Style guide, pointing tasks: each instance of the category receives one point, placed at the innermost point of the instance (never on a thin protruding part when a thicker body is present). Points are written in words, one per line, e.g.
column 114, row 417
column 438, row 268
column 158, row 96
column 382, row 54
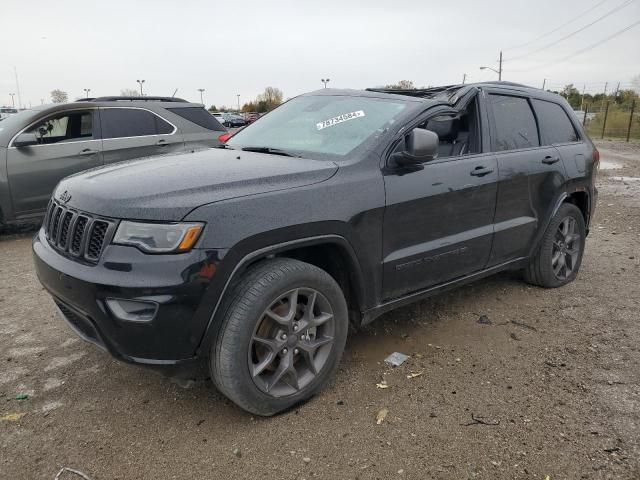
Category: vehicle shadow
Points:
column 12, row 232
column 410, row 326
column 406, row 329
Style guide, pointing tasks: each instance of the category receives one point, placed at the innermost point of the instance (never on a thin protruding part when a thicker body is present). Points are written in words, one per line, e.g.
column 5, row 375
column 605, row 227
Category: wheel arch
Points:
column 333, row 253
column 580, row 198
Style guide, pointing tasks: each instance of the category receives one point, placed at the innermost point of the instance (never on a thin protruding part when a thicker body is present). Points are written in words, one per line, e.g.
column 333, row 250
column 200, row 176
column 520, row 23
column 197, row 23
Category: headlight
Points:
column 158, row 237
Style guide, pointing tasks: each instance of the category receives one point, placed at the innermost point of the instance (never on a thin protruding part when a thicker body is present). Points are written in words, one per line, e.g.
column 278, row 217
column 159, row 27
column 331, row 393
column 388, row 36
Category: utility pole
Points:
column 140, row 82
column 499, row 71
column 13, row 100
column 464, row 78
column 606, row 84
column 584, row 87
column 633, row 107
column 15, row 72
column 201, row 90
column 238, row 95
column 544, row 82
column 615, row 95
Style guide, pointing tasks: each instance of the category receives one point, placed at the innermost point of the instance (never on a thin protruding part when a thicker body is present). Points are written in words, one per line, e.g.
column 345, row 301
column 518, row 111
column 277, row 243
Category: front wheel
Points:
column 558, row 260
column 281, row 337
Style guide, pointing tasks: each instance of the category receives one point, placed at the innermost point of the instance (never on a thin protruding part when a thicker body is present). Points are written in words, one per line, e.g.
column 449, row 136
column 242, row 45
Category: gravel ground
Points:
column 548, row 383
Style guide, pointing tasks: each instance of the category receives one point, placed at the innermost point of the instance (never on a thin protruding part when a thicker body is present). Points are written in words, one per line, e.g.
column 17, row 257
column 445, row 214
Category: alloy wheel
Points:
column 292, row 342
column 566, row 248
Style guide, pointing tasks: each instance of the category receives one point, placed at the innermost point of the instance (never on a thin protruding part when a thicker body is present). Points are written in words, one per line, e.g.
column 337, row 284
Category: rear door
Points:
column 557, row 128
column 200, row 129
column 69, row 142
column 529, row 175
column 133, row 132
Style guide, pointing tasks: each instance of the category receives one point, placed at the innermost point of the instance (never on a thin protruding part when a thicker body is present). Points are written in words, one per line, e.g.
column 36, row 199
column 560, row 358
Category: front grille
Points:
column 77, row 234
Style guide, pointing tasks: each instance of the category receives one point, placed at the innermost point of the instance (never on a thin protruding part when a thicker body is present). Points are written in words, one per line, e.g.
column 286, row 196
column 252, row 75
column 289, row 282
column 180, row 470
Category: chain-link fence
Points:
column 609, row 120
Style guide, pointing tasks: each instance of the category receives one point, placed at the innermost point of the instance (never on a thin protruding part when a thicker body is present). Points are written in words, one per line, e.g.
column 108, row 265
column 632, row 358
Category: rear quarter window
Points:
column 555, row 125
column 515, row 123
column 199, row 116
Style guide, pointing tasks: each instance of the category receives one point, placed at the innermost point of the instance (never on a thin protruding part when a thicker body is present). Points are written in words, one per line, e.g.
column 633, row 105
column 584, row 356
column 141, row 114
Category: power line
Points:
column 590, row 47
column 558, row 28
column 553, row 44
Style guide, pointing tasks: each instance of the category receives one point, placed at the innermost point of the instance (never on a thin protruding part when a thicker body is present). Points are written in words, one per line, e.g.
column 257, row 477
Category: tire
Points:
column 267, row 356
column 559, row 257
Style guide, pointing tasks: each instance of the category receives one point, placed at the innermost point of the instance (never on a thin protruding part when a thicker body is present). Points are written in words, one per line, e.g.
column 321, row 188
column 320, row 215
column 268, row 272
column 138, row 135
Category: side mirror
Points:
column 25, row 140
column 420, row 146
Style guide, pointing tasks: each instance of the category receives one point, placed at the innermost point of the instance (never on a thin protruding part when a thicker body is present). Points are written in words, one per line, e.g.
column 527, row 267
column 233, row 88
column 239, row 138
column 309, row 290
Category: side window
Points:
column 458, row 136
column 199, row 116
column 131, row 122
column 65, row 127
column 514, row 122
column 555, row 125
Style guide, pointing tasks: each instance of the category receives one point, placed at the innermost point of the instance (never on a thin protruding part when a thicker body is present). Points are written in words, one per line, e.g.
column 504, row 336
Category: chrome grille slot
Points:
column 96, row 239
column 56, row 223
column 64, row 228
column 78, row 235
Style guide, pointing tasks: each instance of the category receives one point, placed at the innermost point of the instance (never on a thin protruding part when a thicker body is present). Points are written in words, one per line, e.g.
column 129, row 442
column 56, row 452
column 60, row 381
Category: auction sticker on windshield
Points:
column 339, row 119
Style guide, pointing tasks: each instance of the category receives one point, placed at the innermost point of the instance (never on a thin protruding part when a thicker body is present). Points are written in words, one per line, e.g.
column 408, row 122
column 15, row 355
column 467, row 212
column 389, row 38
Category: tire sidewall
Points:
column 565, row 210
column 239, row 324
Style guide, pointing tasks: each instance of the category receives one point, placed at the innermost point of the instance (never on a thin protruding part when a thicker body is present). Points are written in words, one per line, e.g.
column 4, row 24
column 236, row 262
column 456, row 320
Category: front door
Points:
column 438, row 221
column 68, row 143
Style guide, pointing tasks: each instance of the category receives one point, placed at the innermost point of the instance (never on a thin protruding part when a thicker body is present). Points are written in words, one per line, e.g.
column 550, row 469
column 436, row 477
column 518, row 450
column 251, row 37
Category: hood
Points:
column 168, row 187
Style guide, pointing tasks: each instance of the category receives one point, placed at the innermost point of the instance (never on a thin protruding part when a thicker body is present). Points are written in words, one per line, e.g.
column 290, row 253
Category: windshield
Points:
column 323, row 125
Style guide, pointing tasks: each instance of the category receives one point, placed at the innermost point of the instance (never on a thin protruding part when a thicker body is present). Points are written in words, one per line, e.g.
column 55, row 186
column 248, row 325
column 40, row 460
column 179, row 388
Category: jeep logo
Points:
column 65, row 196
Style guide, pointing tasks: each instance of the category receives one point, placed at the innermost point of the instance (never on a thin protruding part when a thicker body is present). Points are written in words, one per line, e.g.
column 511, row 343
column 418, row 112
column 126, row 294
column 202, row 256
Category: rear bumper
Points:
column 175, row 283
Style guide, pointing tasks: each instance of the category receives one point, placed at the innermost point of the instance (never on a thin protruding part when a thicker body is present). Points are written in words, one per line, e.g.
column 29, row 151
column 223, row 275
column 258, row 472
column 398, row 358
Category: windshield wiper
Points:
column 273, row 151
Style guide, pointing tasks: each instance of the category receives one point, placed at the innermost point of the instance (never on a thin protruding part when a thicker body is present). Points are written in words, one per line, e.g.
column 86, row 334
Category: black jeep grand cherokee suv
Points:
column 338, row 206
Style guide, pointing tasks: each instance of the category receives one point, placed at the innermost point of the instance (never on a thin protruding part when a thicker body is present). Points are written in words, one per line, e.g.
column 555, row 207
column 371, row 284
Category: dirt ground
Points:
column 553, row 383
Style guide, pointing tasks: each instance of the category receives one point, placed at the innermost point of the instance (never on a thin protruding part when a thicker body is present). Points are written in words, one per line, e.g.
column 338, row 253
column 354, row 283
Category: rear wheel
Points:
column 281, row 337
column 558, row 260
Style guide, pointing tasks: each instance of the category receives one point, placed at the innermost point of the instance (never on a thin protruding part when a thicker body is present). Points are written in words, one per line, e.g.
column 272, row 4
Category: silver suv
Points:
column 40, row 146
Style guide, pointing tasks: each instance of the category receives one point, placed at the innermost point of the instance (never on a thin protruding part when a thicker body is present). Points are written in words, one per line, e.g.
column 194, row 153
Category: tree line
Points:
column 271, row 98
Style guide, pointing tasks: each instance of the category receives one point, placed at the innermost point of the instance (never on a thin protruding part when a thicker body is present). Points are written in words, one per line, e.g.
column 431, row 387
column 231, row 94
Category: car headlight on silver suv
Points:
column 159, row 237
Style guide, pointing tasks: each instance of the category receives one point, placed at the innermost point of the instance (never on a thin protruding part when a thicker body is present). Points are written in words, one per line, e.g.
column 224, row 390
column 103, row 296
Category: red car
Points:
column 251, row 117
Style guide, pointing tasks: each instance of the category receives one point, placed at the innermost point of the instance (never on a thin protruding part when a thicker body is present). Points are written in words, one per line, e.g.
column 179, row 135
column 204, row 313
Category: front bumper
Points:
column 176, row 283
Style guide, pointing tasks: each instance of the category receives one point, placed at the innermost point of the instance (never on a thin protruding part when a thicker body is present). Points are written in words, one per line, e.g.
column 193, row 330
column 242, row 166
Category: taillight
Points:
column 596, row 156
column 224, row 137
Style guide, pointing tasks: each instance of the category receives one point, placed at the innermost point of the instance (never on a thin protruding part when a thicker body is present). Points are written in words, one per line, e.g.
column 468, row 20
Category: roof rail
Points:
column 138, row 99
column 507, row 84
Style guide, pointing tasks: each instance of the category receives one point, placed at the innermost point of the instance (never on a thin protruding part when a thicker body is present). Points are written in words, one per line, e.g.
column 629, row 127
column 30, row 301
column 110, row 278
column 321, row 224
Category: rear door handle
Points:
column 481, row 171
column 88, row 151
column 162, row 143
column 549, row 160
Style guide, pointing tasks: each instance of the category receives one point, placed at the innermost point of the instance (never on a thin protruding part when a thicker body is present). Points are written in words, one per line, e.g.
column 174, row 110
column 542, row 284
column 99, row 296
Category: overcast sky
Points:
column 242, row 46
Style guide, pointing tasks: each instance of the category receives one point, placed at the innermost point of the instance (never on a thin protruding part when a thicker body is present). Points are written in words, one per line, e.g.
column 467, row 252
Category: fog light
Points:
column 132, row 310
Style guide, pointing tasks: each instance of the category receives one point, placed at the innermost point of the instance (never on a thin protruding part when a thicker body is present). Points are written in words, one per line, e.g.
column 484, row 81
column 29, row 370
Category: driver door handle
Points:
column 549, row 160
column 162, row 143
column 88, row 151
column 481, row 171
